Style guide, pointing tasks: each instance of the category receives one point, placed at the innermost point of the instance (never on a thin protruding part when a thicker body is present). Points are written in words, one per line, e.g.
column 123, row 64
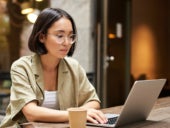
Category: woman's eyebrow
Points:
column 62, row 31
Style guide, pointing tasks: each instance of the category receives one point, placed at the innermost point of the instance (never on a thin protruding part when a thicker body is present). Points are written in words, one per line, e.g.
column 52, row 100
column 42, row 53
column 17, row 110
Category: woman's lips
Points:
column 64, row 50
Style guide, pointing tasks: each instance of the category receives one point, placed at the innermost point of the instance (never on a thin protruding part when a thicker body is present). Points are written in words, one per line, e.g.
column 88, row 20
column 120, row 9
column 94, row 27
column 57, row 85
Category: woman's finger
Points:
column 97, row 115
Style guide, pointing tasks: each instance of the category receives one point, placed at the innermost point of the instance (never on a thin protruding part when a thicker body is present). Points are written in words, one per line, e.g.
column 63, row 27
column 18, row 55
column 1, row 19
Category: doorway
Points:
column 118, row 46
column 114, row 46
column 123, row 58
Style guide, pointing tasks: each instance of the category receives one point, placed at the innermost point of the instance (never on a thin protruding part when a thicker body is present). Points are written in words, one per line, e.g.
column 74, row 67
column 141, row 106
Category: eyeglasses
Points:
column 61, row 38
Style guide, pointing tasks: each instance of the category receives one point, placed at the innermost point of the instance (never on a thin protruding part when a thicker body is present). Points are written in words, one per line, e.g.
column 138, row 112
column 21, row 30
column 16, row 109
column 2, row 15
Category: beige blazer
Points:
column 74, row 88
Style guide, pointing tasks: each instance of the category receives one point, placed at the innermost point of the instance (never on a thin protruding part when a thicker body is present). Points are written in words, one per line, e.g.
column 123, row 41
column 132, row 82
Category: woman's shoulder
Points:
column 71, row 61
column 24, row 60
column 73, row 64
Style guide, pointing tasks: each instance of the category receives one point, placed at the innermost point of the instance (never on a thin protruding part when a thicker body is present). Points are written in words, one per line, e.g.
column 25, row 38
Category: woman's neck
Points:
column 49, row 63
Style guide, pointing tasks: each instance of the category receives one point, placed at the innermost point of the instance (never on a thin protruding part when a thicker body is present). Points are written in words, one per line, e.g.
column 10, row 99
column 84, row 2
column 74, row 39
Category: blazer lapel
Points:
column 62, row 73
column 37, row 70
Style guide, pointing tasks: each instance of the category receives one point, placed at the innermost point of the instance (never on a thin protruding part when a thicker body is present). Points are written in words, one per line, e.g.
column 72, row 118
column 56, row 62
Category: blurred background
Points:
column 119, row 41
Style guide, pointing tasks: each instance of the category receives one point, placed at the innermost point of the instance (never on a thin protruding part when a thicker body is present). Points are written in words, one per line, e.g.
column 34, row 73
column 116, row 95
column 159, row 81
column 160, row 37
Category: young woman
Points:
column 47, row 83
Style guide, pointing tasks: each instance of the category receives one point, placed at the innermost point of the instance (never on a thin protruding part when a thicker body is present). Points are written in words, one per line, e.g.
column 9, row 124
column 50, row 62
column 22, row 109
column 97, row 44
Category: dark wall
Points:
column 155, row 15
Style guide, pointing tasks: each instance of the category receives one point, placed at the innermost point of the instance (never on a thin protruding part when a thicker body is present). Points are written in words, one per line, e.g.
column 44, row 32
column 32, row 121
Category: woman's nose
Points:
column 66, row 41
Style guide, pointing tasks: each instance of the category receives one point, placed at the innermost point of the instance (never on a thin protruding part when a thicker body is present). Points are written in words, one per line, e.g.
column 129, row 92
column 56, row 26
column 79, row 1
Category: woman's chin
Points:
column 62, row 56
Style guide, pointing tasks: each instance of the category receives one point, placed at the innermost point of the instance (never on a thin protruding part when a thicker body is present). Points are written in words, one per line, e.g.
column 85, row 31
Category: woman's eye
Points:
column 72, row 37
column 59, row 36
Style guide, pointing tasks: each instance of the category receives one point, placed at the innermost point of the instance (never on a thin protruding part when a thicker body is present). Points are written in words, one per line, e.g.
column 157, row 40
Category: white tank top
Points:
column 50, row 100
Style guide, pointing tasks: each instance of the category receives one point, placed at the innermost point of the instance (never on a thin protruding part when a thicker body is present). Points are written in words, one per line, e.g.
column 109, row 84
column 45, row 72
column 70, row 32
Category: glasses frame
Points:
column 65, row 36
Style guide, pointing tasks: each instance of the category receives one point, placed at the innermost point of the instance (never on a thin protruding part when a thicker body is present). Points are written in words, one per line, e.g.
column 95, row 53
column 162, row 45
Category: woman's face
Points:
column 59, row 38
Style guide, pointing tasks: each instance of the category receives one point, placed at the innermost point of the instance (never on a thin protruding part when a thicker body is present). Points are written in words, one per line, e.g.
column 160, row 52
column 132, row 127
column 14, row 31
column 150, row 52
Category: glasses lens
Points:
column 60, row 38
column 73, row 38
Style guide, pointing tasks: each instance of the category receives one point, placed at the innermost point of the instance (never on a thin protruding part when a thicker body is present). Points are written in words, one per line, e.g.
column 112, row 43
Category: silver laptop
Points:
column 138, row 104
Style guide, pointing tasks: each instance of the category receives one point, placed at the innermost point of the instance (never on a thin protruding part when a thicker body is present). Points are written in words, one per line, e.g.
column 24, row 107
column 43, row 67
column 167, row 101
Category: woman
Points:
column 47, row 83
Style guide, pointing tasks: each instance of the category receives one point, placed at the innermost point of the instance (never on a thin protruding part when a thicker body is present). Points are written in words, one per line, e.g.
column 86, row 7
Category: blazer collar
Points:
column 62, row 73
column 37, row 70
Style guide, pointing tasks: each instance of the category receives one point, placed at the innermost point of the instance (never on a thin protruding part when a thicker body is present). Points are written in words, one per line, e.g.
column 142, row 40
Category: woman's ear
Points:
column 42, row 38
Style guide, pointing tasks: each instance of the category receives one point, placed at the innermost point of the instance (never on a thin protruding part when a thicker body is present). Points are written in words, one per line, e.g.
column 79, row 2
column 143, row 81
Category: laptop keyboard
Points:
column 112, row 120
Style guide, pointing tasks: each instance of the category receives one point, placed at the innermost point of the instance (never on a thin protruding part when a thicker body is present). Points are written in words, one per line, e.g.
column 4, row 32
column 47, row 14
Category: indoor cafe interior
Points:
column 119, row 42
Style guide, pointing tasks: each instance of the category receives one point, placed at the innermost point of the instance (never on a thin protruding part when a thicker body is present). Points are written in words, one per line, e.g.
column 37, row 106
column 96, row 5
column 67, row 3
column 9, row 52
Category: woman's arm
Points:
column 92, row 104
column 33, row 112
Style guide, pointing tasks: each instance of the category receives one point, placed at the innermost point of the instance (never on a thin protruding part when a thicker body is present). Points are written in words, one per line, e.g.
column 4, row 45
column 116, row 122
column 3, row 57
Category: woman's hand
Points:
column 96, row 116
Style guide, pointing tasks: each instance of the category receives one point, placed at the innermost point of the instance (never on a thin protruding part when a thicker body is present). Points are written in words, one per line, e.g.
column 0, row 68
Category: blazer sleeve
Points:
column 21, row 90
column 86, row 91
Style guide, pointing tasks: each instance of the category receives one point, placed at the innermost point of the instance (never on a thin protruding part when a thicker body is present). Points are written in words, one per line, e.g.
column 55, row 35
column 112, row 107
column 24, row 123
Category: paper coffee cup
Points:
column 77, row 117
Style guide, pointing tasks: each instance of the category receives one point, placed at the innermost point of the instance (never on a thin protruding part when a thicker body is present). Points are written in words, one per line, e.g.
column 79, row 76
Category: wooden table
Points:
column 158, row 118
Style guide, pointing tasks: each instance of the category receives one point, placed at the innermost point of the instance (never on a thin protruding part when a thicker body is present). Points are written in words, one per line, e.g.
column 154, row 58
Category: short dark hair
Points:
column 44, row 21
